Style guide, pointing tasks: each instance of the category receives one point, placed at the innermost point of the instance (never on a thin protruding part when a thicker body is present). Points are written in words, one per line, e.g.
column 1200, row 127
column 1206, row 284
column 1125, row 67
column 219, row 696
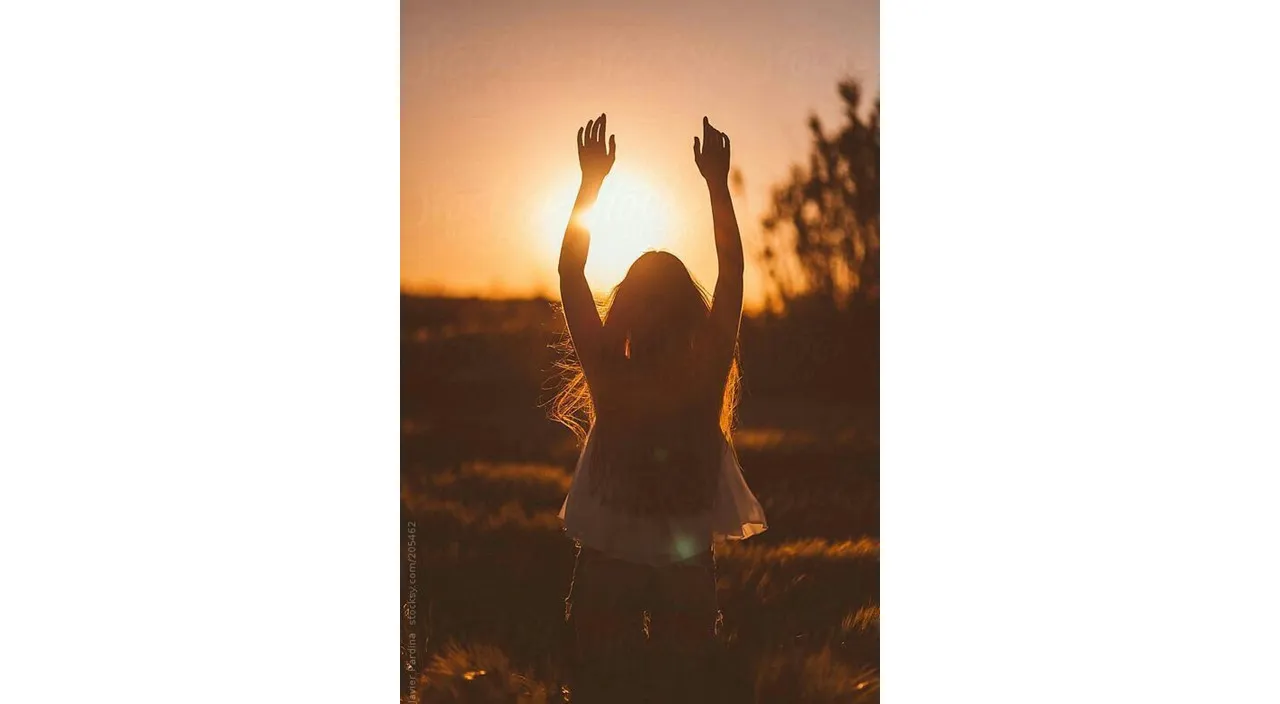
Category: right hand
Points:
column 712, row 155
column 592, row 157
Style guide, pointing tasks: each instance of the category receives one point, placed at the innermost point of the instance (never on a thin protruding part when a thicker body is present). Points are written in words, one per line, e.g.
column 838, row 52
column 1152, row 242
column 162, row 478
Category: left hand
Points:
column 592, row 156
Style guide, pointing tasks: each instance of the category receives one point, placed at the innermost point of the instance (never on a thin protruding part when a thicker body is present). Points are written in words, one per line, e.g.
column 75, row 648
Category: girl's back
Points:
column 658, row 480
column 657, row 439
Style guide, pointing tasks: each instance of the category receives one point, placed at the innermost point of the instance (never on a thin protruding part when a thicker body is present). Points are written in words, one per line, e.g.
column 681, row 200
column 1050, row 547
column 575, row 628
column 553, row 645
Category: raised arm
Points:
column 580, row 311
column 712, row 157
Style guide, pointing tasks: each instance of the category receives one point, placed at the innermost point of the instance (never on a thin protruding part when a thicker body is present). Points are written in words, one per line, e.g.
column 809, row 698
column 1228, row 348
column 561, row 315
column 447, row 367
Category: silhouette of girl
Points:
column 650, row 387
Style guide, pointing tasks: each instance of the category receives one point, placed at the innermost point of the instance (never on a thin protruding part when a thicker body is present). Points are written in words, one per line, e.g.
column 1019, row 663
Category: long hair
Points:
column 648, row 318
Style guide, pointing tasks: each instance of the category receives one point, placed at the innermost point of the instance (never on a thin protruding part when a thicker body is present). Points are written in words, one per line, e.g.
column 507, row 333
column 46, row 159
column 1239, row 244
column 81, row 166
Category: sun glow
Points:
column 630, row 218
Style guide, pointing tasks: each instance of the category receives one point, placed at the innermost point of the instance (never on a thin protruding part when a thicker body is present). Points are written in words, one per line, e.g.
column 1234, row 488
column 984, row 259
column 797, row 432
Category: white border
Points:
column 1079, row 359
column 199, row 389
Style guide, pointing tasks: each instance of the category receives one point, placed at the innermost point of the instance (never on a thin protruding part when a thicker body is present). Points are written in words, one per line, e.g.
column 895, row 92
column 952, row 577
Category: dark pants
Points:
column 642, row 633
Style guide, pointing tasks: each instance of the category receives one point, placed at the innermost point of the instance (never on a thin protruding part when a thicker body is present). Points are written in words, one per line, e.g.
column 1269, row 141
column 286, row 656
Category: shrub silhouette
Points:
column 822, row 236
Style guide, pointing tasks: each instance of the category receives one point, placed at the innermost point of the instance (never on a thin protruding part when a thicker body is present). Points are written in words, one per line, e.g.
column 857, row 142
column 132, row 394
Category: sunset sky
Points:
column 493, row 93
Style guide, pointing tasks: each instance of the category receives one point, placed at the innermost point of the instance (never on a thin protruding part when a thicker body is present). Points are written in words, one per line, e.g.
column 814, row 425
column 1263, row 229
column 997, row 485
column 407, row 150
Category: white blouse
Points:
column 735, row 514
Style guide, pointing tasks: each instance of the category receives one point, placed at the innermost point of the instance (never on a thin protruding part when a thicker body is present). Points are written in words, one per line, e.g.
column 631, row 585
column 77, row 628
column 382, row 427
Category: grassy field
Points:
column 484, row 473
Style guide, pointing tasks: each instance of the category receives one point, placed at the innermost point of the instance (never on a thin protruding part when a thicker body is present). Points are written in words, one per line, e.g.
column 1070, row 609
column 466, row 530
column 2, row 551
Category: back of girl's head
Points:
column 657, row 310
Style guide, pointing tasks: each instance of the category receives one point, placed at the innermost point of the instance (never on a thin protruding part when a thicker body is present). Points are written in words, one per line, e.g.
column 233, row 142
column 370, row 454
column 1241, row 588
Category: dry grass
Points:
column 506, row 473
column 821, row 676
column 813, row 549
column 478, row 674
column 511, row 515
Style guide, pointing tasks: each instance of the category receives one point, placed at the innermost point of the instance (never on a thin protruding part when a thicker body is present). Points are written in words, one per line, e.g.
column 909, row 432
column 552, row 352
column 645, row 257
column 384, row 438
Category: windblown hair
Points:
column 571, row 406
column 670, row 405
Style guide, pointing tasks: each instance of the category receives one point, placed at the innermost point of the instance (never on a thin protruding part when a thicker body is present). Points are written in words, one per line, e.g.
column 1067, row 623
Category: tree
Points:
column 822, row 236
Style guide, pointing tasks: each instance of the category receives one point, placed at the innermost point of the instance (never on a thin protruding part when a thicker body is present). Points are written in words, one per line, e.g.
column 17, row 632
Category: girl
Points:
column 650, row 391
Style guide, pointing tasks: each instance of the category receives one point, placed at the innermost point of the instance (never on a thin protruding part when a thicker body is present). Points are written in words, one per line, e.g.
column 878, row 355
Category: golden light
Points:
column 630, row 218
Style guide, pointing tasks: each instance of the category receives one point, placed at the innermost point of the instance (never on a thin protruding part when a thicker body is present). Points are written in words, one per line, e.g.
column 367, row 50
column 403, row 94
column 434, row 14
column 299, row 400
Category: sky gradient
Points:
column 493, row 93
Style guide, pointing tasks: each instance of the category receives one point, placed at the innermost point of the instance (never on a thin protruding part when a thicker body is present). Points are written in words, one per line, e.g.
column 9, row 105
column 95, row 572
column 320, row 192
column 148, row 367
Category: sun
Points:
column 630, row 217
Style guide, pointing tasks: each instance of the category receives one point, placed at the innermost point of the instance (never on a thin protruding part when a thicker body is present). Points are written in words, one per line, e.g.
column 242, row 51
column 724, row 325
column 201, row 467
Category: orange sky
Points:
column 492, row 95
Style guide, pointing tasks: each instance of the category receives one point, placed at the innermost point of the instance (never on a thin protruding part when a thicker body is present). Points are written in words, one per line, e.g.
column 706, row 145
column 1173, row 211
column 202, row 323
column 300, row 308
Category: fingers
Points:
column 613, row 147
column 593, row 134
column 697, row 150
column 714, row 139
